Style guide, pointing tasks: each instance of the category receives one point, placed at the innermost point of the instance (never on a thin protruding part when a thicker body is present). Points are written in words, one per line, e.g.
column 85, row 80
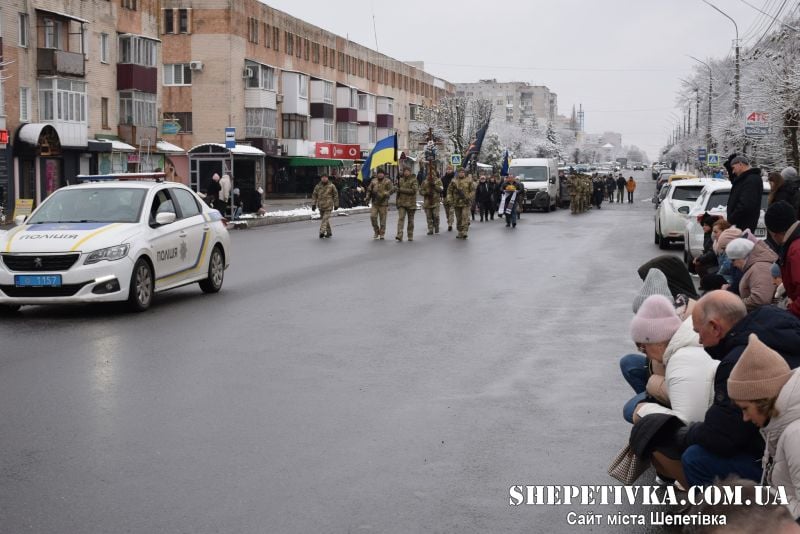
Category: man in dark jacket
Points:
column 621, row 182
column 723, row 443
column 484, row 196
column 744, row 201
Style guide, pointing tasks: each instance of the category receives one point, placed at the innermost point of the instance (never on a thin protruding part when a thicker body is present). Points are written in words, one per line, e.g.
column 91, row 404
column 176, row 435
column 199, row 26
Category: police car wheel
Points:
column 216, row 272
column 140, row 294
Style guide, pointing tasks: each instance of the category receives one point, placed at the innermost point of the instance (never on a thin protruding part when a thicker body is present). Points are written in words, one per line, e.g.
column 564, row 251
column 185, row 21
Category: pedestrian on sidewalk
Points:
column 460, row 195
column 431, row 191
column 630, row 186
column 406, row 202
column 483, row 196
column 326, row 198
column 378, row 192
column 611, row 185
column 620, row 188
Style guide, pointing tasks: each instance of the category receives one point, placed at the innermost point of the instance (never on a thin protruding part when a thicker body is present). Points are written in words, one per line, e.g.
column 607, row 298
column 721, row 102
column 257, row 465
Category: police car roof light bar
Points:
column 121, row 177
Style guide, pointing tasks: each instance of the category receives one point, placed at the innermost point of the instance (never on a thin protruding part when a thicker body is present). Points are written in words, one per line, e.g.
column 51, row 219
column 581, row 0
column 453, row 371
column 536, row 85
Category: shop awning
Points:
column 300, row 161
column 169, row 148
column 119, row 146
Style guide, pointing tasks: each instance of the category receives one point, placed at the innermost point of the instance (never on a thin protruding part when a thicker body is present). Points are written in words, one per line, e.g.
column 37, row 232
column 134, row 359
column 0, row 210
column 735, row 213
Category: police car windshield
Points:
column 530, row 174
column 106, row 205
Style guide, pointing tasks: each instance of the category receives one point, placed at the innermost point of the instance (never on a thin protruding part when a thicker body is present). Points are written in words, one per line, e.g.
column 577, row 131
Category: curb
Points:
column 244, row 224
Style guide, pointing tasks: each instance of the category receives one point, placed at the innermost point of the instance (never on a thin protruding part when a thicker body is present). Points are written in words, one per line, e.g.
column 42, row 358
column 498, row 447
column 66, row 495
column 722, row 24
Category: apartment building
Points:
column 79, row 90
column 307, row 98
column 514, row 101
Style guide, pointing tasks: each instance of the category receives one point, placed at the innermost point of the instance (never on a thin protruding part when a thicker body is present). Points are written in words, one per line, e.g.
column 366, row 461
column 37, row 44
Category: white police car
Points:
column 113, row 241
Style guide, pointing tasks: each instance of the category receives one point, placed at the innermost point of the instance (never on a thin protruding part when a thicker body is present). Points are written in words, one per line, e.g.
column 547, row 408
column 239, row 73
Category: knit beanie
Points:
column 779, row 217
column 739, row 248
column 789, row 174
column 655, row 283
column 726, row 237
column 760, row 373
column 656, row 320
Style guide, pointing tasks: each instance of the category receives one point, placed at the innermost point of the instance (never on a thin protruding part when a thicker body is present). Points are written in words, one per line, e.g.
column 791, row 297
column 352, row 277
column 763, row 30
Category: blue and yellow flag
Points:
column 385, row 151
column 504, row 168
column 475, row 146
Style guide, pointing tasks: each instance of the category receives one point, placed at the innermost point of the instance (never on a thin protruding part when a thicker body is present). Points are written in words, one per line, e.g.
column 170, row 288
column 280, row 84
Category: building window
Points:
column 104, row 48
column 289, row 43
column 252, row 30
column 327, row 93
column 362, row 102
column 181, row 118
column 261, row 122
column 266, row 35
column 413, row 112
column 276, row 39
column 137, row 108
column 169, row 21
column 306, row 49
column 129, row 4
column 24, row 104
column 183, row 21
column 104, row 113
column 346, row 133
column 315, row 52
column 341, row 61
column 373, row 134
column 361, row 68
column 294, row 126
column 137, row 50
column 52, row 33
column 177, row 74
column 302, row 88
column 62, row 100
column 324, row 56
column 328, row 129
column 263, row 76
column 299, row 47
column 22, row 23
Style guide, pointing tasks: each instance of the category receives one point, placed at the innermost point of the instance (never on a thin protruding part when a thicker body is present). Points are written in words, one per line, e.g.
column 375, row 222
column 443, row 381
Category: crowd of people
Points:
column 587, row 191
column 715, row 388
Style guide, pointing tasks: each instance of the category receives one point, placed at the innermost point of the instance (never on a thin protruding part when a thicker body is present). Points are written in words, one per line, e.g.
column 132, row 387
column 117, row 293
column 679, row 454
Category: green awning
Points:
column 300, row 161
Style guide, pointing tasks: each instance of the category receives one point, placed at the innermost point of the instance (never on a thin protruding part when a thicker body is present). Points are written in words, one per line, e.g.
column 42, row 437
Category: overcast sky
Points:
column 622, row 59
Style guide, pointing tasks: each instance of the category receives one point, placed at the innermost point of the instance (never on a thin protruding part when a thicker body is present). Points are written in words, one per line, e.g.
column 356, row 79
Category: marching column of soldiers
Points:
column 580, row 190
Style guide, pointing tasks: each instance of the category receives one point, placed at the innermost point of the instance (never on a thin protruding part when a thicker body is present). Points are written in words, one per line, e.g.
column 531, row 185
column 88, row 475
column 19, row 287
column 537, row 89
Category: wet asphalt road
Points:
column 344, row 385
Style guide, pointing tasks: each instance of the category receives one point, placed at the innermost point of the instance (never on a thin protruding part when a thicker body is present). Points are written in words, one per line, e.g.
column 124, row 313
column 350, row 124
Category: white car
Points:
column 113, row 241
column 714, row 200
column 677, row 199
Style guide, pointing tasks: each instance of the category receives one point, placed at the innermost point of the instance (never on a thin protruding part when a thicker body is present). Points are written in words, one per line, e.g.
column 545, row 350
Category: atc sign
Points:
column 756, row 124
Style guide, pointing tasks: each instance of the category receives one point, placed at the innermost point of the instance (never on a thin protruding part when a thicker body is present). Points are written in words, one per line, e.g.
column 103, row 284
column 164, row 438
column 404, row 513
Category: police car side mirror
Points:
column 166, row 217
column 20, row 219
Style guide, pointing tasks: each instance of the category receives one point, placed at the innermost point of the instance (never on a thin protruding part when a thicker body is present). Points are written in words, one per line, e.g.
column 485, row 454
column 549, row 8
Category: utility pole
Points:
column 697, row 111
column 689, row 124
column 736, row 72
column 709, row 140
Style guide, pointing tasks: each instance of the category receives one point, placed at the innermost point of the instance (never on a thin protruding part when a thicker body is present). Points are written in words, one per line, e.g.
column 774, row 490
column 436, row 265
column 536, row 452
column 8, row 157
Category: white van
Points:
column 539, row 176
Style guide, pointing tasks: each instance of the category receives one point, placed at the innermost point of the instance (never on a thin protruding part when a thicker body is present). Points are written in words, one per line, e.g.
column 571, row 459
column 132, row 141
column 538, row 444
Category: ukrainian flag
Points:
column 385, row 151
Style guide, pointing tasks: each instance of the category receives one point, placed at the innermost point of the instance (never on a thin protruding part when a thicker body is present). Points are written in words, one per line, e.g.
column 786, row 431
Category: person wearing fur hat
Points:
column 755, row 261
column 783, row 227
column 744, row 201
column 768, row 392
column 663, row 337
column 723, row 443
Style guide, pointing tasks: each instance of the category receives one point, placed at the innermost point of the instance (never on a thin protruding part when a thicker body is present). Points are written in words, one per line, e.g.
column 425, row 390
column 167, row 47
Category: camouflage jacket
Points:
column 461, row 192
column 407, row 192
column 325, row 196
column 379, row 191
column 431, row 191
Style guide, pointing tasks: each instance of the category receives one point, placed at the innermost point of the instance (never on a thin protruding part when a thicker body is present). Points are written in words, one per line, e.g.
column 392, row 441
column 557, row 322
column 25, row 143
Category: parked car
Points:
column 638, row 167
column 714, row 200
column 671, row 214
column 667, row 176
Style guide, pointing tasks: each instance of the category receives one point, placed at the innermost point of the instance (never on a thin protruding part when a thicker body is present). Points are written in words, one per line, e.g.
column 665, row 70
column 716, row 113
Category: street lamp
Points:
column 736, row 75
column 709, row 141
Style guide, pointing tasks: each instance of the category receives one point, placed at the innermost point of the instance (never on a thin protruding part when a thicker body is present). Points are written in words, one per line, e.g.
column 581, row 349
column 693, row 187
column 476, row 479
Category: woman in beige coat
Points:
column 754, row 259
column 768, row 392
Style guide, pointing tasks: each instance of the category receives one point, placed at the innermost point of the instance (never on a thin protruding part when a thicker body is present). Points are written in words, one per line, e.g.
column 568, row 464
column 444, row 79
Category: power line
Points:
column 559, row 69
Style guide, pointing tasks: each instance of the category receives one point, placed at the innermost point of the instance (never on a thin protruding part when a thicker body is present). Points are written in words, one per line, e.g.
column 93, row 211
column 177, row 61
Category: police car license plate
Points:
column 37, row 280
column 761, row 232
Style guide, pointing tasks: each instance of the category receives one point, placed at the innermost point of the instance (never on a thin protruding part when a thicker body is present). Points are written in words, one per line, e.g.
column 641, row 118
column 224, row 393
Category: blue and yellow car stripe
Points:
column 198, row 262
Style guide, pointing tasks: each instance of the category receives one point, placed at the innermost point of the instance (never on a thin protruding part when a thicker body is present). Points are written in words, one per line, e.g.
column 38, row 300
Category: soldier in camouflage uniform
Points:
column 572, row 188
column 406, row 202
column 448, row 208
column 460, row 195
column 586, row 197
column 326, row 198
column 378, row 191
column 431, row 190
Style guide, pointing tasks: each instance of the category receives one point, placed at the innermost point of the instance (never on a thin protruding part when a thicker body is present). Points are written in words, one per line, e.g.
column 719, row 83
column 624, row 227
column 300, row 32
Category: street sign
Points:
column 455, row 159
column 713, row 160
column 702, row 154
column 756, row 124
column 230, row 138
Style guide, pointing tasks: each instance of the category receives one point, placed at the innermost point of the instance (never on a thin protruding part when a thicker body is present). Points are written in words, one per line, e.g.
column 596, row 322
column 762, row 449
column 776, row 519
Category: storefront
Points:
column 173, row 160
column 38, row 162
column 244, row 164
column 298, row 175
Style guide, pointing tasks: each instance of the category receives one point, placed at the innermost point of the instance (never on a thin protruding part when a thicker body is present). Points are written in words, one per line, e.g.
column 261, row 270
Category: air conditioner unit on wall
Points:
column 196, row 65
column 247, row 72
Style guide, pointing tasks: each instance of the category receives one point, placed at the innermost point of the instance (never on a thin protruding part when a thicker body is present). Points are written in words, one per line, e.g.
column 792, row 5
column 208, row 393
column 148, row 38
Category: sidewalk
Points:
column 283, row 210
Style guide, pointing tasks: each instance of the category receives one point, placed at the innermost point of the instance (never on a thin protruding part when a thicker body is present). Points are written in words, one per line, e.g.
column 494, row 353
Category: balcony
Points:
column 53, row 62
column 134, row 135
column 137, row 77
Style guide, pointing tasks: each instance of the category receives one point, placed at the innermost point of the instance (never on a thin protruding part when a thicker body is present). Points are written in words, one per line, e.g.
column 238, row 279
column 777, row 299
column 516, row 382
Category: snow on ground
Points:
column 302, row 211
